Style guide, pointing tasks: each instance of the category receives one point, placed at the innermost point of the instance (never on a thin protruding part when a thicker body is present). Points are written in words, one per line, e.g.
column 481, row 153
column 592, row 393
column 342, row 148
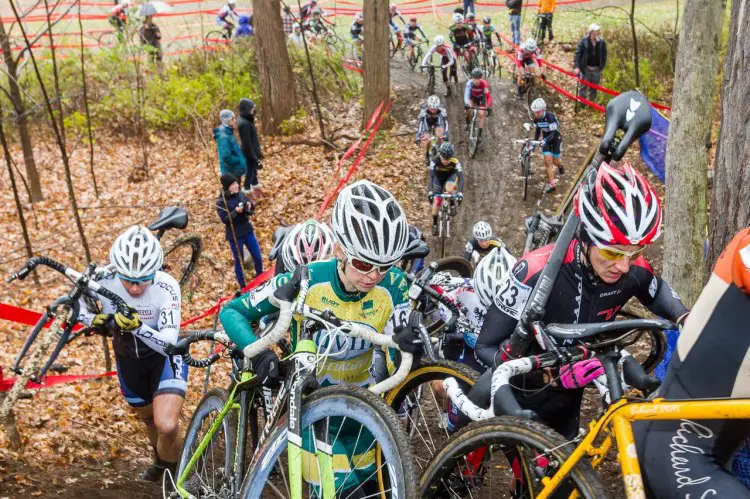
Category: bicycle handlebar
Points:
column 502, row 399
column 81, row 280
column 421, row 285
column 182, row 347
column 529, row 141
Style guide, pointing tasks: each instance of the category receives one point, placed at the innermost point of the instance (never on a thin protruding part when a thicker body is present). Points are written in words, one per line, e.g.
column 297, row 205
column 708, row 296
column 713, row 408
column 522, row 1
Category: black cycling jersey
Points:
column 317, row 27
column 461, row 36
column 429, row 120
column 473, row 245
column 577, row 297
column 356, row 29
column 410, row 32
column 440, row 173
column 684, row 458
column 548, row 127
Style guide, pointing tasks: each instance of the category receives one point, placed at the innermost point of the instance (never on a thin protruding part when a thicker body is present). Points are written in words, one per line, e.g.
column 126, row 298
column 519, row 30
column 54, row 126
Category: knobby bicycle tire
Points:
column 414, row 417
column 513, row 432
column 359, row 405
column 431, row 83
column 443, row 229
column 216, row 37
column 457, row 264
column 195, row 243
column 474, row 134
column 526, row 165
column 208, row 409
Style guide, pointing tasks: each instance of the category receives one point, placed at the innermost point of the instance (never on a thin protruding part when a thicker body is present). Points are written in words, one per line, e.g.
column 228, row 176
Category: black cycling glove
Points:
column 266, row 367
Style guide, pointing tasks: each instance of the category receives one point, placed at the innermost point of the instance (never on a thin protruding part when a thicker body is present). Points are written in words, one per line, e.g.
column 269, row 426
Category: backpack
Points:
column 513, row 4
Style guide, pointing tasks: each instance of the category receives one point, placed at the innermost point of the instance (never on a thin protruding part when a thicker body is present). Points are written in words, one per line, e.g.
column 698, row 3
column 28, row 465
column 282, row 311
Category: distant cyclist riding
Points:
column 447, row 60
column 433, row 121
column 446, row 176
column 477, row 95
column 227, row 13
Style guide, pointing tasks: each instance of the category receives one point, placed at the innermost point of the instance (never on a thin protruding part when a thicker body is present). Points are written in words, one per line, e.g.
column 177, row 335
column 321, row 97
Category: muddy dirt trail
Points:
column 492, row 180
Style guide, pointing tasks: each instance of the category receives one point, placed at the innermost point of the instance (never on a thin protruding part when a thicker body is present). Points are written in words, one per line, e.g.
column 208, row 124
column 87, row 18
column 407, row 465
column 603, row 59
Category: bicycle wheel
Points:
column 328, row 411
column 473, row 135
column 109, row 39
column 442, row 224
column 479, row 461
column 181, row 257
column 215, row 37
column 423, row 407
column 526, row 166
column 431, row 83
column 211, row 473
column 456, row 265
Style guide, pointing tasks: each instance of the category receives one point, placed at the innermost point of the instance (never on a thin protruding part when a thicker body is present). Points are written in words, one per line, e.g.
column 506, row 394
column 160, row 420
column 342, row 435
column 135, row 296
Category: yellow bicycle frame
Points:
column 621, row 414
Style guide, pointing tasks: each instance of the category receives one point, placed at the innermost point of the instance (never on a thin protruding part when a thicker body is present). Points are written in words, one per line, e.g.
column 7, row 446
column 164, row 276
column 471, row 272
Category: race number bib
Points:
column 512, row 296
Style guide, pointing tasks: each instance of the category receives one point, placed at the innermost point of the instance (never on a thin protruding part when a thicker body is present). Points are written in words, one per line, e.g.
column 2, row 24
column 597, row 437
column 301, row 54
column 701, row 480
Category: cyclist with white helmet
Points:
column 152, row 384
column 482, row 242
column 528, row 60
column 356, row 29
column 463, row 37
column 227, row 12
column 360, row 284
column 308, row 242
column 448, row 60
column 446, row 175
column 548, row 127
column 433, row 120
column 604, row 267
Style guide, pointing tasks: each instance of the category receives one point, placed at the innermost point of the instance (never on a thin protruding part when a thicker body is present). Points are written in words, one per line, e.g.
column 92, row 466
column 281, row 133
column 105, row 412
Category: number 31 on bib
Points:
column 512, row 296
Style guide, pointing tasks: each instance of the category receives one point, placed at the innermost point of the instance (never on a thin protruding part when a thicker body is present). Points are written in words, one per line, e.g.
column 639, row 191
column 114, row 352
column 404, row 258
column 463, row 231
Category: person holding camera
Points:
column 234, row 210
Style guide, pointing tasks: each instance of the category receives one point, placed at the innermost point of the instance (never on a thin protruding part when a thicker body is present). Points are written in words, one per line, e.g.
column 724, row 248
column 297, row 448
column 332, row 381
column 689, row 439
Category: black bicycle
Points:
column 181, row 255
column 524, row 157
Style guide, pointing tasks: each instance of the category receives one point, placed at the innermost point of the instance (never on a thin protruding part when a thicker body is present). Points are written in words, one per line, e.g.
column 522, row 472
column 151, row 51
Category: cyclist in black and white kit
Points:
column 152, row 384
column 482, row 242
column 602, row 270
column 433, row 118
column 685, row 458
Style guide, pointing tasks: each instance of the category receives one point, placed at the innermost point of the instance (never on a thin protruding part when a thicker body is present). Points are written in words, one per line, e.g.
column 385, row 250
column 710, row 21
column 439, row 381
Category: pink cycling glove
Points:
column 581, row 373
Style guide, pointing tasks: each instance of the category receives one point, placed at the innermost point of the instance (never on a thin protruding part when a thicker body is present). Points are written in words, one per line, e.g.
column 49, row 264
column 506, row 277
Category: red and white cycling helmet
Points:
column 308, row 242
column 618, row 206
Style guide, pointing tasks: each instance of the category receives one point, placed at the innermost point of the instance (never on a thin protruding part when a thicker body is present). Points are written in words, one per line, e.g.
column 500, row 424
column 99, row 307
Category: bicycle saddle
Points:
column 416, row 249
column 170, row 217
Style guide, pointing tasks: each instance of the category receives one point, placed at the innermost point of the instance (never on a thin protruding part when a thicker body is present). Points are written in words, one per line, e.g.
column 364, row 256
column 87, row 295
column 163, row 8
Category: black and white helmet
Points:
column 482, row 231
column 490, row 272
column 433, row 102
column 308, row 242
column 369, row 224
column 136, row 253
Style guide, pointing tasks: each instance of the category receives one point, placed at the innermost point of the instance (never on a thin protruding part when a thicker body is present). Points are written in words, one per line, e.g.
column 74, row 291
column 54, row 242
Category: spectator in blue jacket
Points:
column 231, row 159
column 245, row 28
column 234, row 210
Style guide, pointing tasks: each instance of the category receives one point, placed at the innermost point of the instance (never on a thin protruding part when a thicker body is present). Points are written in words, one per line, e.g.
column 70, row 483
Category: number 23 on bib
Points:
column 512, row 296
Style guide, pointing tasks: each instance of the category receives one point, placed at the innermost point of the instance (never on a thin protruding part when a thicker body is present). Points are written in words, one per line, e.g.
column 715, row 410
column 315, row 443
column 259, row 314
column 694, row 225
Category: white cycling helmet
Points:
column 433, row 102
column 359, row 17
column 489, row 273
column 296, row 26
column 308, row 242
column 369, row 224
column 136, row 254
column 482, row 230
column 231, row 2
column 439, row 40
column 538, row 105
column 529, row 45
column 458, row 18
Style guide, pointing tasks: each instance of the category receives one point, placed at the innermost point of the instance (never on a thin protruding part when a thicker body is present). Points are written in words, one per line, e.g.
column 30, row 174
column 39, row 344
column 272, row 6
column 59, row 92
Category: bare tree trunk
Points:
column 685, row 219
column 316, row 100
column 636, row 67
column 279, row 100
column 19, row 208
column 59, row 133
column 730, row 203
column 86, row 105
column 19, row 107
column 377, row 60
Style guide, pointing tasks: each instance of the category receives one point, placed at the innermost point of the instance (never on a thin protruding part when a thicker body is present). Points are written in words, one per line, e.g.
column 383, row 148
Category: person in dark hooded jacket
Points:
column 234, row 210
column 250, row 145
column 231, row 159
column 245, row 27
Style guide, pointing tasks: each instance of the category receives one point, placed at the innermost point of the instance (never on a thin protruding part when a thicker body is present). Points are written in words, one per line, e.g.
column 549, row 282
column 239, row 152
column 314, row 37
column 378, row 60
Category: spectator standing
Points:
column 296, row 36
column 546, row 11
column 287, row 22
column 244, row 27
column 590, row 59
column 250, row 146
column 150, row 36
column 514, row 13
column 231, row 159
column 469, row 7
column 234, row 210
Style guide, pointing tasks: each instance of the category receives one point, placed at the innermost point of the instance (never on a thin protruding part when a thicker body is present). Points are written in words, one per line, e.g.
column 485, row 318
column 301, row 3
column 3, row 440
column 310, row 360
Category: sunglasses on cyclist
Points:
column 366, row 268
column 143, row 281
column 614, row 254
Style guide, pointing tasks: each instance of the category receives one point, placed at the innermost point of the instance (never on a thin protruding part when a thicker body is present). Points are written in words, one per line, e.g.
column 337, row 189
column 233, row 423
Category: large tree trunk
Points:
column 376, row 56
column 19, row 108
column 730, row 203
column 279, row 100
column 685, row 219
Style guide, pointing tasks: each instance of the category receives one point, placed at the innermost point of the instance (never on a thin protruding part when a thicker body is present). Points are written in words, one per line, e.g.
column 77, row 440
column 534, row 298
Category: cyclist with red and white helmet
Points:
column 603, row 268
column 448, row 60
